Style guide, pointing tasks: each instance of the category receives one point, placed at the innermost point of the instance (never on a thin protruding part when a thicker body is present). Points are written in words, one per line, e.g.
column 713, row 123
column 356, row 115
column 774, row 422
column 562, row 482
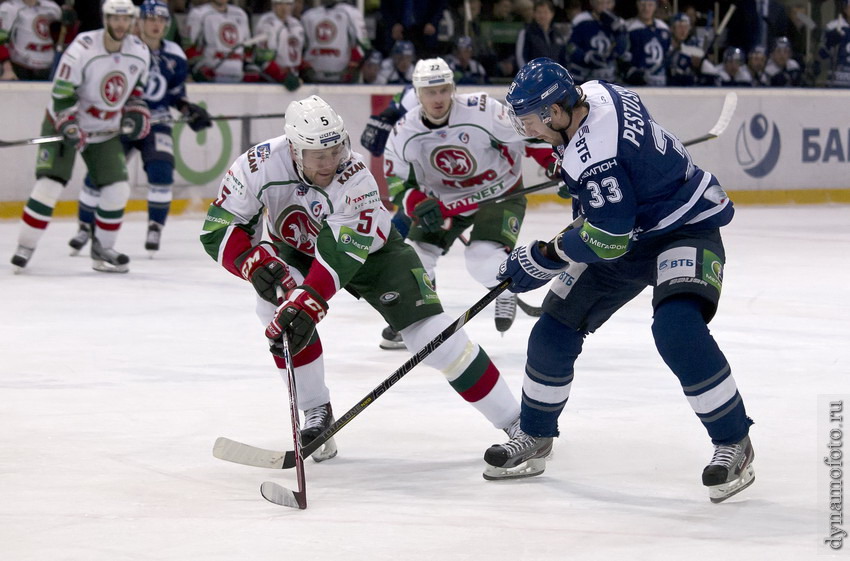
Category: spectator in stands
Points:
column 734, row 72
column 30, row 31
column 835, row 48
column 524, row 9
column 398, row 68
column 756, row 61
column 279, row 56
column 371, row 67
column 540, row 38
column 415, row 21
column 467, row 70
column 598, row 40
column 336, row 38
column 781, row 69
column 649, row 42
column 686, row 61
column 214, row 46
column 757, row 23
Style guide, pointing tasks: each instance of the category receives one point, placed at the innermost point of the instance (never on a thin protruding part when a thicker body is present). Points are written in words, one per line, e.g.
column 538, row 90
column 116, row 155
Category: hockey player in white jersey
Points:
column 449, row 154
column 214, row 46
column 25, row 35
column 302, row 213
column 336, row 42
column 279, row 56
column 97, row 93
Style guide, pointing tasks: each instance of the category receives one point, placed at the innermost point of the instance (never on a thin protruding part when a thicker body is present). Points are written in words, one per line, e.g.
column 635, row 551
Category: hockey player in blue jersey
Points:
column 649, row 43
column 597, row 41
column 835, row 48
column 165, row 89
column 651, row 217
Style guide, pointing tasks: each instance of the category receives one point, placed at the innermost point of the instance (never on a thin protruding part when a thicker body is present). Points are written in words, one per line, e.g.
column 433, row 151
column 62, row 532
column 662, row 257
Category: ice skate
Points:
column 730, row 470
column 152, row 239
column 107, row 260
column 316, row 420
column 522, row 456
column 80, row 239
column 505, row 311
column 21, row 257
column 391, row 339
column 512, row 429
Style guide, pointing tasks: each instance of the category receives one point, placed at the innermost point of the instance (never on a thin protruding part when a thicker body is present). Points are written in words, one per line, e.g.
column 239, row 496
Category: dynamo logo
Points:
column 759, row 133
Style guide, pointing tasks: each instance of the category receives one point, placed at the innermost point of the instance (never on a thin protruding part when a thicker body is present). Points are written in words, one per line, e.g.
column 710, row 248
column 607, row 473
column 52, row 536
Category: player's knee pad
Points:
column 114, row 196
column 553, row 348
column 419, row 334
column 428, row 254
column 160, row 172
column 483, row 258
column 679, row 329
column 46, row 191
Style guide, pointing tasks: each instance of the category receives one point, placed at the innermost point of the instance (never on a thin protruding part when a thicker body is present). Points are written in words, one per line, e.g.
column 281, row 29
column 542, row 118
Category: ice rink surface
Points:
column 114, row 388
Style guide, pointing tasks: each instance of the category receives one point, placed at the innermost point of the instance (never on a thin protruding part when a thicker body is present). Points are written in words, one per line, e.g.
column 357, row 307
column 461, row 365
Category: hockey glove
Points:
column 266, row 271
column 528, row 268
column 375, row 135
column 428, row 215
column 197, row 117
column 291, row 81
column 69, row 127
column 136, row 123
column 297, row 317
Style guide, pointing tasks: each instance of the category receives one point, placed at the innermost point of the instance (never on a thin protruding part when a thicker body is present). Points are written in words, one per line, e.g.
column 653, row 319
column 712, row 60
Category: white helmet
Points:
column 118, row 8
column 432, row 72
column 312, row 124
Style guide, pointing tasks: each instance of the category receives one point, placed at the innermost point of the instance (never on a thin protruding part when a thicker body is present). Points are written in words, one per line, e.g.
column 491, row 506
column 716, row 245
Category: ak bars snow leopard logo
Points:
column 762, row 137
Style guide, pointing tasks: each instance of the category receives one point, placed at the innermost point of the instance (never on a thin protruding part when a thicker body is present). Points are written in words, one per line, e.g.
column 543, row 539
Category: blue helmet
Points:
column 733, row 54
column 154, row 8
column 540, row 84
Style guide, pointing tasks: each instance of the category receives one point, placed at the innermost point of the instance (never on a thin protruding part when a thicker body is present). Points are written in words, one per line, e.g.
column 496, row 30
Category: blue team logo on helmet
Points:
column 537, row 86
column 154, row 8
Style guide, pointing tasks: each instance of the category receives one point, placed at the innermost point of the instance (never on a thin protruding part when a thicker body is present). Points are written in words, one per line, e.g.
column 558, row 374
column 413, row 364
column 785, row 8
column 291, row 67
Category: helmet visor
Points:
column 324, row 160
column 529, row 125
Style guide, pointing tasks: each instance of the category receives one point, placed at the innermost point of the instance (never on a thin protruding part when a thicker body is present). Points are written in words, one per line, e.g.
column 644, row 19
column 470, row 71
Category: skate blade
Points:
column 16, row 270
column 392, row 345
column 151, row 253
column 719, row 493
column 326, row 452
column 105, row 267
column 530, row 468
column 75, row 252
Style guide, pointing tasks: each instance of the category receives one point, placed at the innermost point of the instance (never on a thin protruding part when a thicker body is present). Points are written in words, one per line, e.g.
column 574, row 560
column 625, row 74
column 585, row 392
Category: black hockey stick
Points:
column 533, row 311
column 273, row 492
column 233, row 451
column 506, row 197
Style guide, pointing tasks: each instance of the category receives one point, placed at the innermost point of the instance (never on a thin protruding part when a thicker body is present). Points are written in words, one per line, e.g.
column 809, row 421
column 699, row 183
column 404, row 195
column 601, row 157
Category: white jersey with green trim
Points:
column 27, row 29
column 332, row 32
column 216, row 36
column 100, row 81
column 475, row 156
column 264, row 179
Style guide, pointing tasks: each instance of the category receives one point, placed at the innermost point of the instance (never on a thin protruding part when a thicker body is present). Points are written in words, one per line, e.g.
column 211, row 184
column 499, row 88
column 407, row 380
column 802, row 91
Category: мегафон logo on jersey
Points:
column 759, row 136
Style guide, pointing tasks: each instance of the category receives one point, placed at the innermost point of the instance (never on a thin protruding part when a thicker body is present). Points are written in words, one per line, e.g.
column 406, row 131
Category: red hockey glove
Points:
column 136, row 123
column 69, row 127
column 266, row 271
column 297, row 317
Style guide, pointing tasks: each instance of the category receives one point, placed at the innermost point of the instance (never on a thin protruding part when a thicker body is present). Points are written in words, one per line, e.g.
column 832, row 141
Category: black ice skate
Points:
column 153, row 237
column 505, row 311
column 391, row 339
column 107, row 260
column 522, row 456
column 316, row 420
column 730, row 470
column 81, row 238
column 21, row 257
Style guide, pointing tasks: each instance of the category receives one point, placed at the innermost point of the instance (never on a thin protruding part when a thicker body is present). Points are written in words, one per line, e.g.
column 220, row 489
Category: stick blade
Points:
column 730, row 103
column 245, row 454
column 280, row 495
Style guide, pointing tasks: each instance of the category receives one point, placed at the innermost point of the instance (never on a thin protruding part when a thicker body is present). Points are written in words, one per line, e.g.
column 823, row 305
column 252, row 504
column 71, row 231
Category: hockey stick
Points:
column 58, row 137
column 273, row 492
column 726, row 113
column 237, row 452
column 250, row 42
column 506, row 197
column 533, row 311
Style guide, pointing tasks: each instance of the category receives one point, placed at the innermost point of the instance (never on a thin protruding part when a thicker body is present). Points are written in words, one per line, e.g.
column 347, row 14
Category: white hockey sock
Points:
column 38, row 211
column 110, row 212
column 310, row 382
column 483, row 259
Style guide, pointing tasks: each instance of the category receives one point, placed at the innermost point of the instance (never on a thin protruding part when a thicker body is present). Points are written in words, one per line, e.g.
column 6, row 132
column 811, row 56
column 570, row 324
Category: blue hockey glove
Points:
column 375, row 135
column 528, row 268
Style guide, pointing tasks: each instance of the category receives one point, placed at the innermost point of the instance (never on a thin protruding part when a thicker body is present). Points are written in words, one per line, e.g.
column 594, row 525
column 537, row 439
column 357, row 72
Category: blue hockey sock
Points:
column 552, row 350
column 686, row 345
column 158, row 212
